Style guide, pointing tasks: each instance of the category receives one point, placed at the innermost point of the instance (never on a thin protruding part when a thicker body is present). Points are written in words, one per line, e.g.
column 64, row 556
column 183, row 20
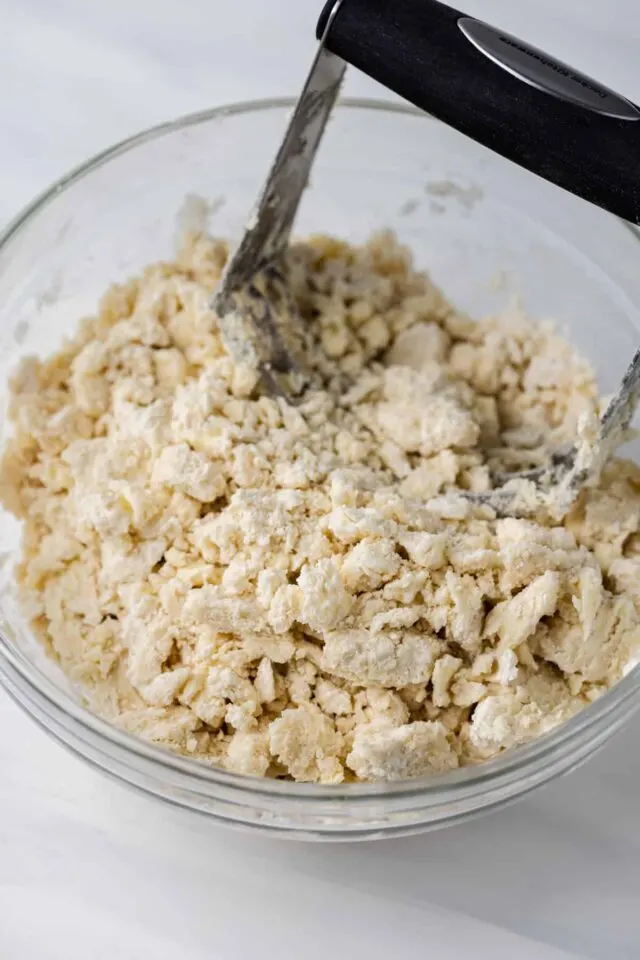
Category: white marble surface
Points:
column 88, row 870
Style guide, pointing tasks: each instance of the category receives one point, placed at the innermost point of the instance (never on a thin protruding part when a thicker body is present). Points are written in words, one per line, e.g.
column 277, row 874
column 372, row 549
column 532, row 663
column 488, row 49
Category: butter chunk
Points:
column 397, row 753
column 380, row 658
column 306, row 742
column 180, row 467
column 513, row 621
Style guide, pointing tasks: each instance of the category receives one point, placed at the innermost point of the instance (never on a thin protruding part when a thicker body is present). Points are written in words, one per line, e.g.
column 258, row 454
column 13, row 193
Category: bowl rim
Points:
column 165, row 127
column 439, row 787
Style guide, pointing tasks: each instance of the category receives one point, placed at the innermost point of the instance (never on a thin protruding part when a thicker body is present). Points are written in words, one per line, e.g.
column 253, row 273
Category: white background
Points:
column 91, row 872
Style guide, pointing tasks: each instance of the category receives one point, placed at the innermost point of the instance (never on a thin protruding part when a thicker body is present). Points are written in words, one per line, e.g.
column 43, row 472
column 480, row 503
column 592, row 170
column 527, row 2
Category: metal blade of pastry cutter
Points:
column 557, row 485
column 258, row 319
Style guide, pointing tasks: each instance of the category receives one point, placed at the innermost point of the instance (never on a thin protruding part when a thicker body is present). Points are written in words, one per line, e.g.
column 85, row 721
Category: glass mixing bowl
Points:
column 486, row 230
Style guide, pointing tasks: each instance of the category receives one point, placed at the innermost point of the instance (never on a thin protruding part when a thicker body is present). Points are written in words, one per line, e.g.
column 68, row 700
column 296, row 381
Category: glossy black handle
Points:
column 499, row 91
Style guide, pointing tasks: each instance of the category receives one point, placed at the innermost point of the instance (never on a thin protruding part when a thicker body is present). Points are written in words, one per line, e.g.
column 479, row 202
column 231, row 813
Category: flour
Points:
column 301, row 592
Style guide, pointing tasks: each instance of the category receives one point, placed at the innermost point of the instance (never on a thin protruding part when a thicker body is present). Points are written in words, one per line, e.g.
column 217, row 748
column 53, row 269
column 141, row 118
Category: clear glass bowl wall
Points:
column 486, row 230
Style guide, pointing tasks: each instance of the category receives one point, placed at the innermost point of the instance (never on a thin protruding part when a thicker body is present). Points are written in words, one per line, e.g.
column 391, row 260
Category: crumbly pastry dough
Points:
column 300, row 592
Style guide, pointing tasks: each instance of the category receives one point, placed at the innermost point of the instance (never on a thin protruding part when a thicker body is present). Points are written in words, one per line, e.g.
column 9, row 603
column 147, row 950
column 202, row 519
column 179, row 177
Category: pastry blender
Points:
column 507, row 95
